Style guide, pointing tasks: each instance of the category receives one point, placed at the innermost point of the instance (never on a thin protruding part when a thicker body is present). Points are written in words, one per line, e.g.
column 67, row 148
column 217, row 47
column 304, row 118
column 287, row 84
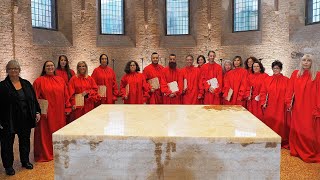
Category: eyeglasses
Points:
column 13, row 69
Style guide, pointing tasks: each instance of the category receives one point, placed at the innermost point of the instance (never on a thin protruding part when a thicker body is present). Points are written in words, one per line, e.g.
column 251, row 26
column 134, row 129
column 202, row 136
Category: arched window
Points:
column 112, row 16
column 177, row 17
column 245, row 15
column 313, row 12
column 44, row 14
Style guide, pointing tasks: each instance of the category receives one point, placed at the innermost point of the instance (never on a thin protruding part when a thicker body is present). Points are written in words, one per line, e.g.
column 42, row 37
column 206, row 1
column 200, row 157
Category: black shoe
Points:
column 27, row 165
column 10, row 171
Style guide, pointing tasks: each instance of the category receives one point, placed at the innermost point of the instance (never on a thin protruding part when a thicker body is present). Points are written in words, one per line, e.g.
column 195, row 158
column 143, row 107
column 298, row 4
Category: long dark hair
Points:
column 101, row 57
column 44, row 67
column 67, row 67
column 127, row 68
column 254, row 59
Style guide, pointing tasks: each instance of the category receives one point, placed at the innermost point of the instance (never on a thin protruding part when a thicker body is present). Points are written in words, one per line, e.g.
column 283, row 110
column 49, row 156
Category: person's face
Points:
column 227, row 66
column 13, row 71
column 276, row 70
column 200, row 61
column 212, row 56
column 189, row 61
column 133, row 67
column 306, row 63
column 49, row 68
column 63, row 62
column 155, row 58
column 172, row 59
column 104, row 60
column 237, row 62
column 256, row 68
column 82, row 69
column 250, row 62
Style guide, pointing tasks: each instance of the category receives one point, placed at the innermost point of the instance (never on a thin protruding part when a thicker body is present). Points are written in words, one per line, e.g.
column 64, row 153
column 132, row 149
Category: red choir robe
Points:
column 77, row 85
column 150, row 72
column 168, row 76
column 304, row 137
column 105, row 76
column 209, row 71
column 54, row 90
column 194, row 89
column 275, row 114
column 237, row 81
column 255, row 82
column 224, row 77
column 138, row 88
column 63, row 73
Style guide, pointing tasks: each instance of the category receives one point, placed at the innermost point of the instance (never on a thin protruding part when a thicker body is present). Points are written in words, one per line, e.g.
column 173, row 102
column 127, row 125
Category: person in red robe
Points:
column 192, row 92
column 226, row 68
column 201, row 60
column 255, row 81
column 303, row 100
column 53, row 89
column 237, row 82
column 105, row 76
column 171, row 74
column 82, row 84
column 211, row 72
column 152, row 71
column 273, row 102
column 134, row 88
column 63, row 70
column 249, row 62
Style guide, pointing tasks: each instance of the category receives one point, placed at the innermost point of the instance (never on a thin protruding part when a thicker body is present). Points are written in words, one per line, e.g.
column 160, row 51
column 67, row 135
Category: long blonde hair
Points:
column 313, row 68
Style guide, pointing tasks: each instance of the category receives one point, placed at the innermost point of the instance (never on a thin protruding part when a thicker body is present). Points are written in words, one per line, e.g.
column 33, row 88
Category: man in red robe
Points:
column 171, row 82
column 192, row 91
column 151, row 72
column 211, row 79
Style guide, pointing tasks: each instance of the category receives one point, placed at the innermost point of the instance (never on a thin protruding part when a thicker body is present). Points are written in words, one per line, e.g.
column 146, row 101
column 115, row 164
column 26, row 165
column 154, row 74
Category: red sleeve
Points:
column 164, row 85
column 146, row 88
column 316, row 111
column 289, row 92
column 123, row 84
column 67, row 99
column 264, row 92
column 218, row 90
column 226, row 84
column 205, row 85
column 115, row 87
column 93, row 91
column 37, row 87
column 243, row 86
column 72, row 90
column 180, row 82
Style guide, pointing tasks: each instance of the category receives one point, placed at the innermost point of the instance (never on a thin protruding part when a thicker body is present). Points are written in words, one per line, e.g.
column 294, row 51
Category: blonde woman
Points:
column 82, row 86
column 303, row 99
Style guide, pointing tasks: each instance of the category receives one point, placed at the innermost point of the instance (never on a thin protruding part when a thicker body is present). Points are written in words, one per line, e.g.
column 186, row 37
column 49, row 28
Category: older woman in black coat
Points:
column 19, row 111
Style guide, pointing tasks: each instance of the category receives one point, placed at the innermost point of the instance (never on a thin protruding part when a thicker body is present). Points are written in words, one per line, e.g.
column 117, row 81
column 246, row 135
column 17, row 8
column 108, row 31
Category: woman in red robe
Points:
column 226, row 69
column 273, row 103
column 249, row 62
column 211, row 72
column 53, row 89
column 63, row 70
column 255, row 81
column 104, row 76
column 304, row 88
column 134, row 88
column 192, row 91
column 82, row 84
column 237, row 81
column 201, row 60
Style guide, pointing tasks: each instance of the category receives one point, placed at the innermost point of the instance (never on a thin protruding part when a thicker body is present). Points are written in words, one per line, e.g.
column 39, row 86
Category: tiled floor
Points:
column 291, row 168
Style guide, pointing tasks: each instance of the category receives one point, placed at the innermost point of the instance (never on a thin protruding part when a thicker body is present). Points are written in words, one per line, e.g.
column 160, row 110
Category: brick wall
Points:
column 282, row 35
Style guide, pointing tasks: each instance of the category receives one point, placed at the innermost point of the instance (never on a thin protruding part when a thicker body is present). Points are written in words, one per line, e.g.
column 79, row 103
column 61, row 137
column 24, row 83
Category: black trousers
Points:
column 7, row 140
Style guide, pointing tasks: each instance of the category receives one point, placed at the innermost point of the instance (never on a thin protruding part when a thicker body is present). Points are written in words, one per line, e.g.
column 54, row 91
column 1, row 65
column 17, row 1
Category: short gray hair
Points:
column 13, row 63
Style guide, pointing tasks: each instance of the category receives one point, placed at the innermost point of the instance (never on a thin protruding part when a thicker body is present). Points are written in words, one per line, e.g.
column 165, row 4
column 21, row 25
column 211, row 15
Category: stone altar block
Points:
column 167, row 142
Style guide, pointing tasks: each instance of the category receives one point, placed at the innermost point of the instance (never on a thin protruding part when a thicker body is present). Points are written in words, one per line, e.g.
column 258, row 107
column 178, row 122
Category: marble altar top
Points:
column 225, row 123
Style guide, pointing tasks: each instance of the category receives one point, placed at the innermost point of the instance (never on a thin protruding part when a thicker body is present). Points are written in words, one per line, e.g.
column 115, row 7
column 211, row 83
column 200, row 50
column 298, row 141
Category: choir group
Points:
column 291, row 107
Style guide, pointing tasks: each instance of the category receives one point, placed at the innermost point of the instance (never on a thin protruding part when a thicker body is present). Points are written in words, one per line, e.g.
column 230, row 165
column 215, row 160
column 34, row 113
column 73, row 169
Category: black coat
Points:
column 9, row 100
